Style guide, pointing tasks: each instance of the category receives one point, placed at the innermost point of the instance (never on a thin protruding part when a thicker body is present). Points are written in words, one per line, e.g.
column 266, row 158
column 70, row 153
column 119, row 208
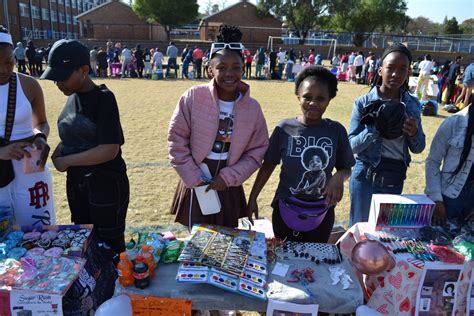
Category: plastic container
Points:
column 140, row 273
column 125, row 270
column 149, row 259
column 132, row 252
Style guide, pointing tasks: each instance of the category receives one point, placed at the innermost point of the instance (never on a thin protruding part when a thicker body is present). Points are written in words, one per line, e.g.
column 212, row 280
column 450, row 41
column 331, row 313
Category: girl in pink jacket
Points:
column 220, row 125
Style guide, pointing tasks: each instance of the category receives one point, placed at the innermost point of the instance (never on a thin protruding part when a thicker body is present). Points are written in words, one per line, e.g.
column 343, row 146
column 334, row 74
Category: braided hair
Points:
column 229, row 34
column 397, row 47
column 468, row 138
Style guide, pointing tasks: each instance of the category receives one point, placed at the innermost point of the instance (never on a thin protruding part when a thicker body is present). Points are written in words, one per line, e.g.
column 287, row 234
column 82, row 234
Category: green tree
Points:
column 300, row 15
column 467, row 27
column 452, row 27
column 419, row 26
column 169, row 13
column 215, row 8
column 366, row 16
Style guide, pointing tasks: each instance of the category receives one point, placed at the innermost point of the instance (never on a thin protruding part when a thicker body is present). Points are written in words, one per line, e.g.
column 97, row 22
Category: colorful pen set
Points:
column 405, row 215
column 419, row 251
column 406, row 245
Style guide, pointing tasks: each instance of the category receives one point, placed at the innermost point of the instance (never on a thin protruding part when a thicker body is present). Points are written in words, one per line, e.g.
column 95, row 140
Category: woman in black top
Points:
column 91, row 137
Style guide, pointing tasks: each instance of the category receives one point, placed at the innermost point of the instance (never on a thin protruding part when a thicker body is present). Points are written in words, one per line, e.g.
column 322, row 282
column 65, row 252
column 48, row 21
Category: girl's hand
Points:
column 335, row 189
column 439, row 215
column 60, row 163
column 57, row 151
column 42, row 145
column 217, row 184
column 14, row 151
column 410, row 126
column 252, row 208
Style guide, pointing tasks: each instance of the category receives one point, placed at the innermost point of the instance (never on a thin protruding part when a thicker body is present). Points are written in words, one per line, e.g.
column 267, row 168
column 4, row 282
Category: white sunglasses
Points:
column 215, row 47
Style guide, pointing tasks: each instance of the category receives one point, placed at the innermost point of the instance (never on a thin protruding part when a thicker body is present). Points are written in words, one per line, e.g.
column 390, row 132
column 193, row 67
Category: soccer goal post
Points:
column 331, row 43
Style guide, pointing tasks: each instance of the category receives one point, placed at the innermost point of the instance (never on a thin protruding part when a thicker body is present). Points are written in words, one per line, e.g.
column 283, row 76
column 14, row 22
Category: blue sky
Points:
column 435, row 10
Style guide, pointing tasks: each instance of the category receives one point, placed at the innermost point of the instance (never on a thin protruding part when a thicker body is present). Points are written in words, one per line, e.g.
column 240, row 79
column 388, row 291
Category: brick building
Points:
column 255, row 28
column 43, row 19
column 123, row 24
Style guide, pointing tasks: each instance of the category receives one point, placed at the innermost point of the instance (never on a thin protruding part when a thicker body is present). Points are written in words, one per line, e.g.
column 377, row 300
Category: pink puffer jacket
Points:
column 193, row 130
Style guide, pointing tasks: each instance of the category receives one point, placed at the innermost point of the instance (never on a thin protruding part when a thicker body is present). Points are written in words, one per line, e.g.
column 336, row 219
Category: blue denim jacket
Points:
column 366, row 142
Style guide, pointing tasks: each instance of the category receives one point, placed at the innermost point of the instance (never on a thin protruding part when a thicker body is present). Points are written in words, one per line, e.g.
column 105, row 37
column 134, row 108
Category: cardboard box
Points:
column 391, row 211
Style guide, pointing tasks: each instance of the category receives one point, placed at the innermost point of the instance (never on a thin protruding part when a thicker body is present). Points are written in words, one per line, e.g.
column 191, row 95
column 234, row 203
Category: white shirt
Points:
column 281, row 57
column 359, row 60
column 126, row 53
column 224, row 131
column 426, row 66
column 158, row 58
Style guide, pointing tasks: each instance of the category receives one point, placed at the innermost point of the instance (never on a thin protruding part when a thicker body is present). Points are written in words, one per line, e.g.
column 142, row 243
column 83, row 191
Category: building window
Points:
column 45, row 14
column 24, row 10
column 61, row 17
column 61, row 1
column 54, row 16
column 68, row 19
column 73, row 4
column 74, row 20
column 36, row 12
column 67, row 3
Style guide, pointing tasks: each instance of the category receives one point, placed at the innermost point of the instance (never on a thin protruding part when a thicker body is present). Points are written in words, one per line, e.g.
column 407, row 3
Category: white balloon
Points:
column 117, row 306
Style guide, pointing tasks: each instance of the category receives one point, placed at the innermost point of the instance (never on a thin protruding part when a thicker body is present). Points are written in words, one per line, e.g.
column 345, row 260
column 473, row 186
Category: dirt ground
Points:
column 146, row 107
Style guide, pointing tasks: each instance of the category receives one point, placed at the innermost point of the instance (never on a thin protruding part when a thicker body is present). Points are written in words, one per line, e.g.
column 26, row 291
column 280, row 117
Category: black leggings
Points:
column 320, row 234
column 100, row 198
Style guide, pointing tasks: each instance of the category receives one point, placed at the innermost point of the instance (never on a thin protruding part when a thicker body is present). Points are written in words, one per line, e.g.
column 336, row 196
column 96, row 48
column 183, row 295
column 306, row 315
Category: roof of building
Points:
column 99, row 7
column 231, row 7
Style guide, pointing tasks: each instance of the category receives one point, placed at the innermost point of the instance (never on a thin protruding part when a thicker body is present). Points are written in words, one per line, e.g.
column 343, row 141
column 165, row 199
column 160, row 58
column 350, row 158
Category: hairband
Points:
column 6, row 38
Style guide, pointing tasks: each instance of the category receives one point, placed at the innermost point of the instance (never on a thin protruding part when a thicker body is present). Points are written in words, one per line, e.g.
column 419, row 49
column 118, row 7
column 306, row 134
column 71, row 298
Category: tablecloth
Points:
column 204, row 296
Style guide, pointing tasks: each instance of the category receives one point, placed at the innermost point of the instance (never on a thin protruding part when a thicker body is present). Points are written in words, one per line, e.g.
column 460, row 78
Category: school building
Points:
column 44, row 19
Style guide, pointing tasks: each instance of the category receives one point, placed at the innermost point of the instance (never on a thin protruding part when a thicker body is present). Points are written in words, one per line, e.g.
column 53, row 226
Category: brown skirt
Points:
column 233, row 203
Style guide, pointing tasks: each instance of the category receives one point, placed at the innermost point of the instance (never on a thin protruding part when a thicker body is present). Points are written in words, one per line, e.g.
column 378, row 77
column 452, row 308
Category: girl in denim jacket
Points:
column 377, row 156
column 452, row 185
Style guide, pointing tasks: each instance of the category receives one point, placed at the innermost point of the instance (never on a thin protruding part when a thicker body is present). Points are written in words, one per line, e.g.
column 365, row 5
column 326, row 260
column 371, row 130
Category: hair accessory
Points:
column 38, row 251
column 43, row 243
column 53, row 252
column 32, row 235
column 50, row 235
column 6, row 38
column 15, row 235
column 16, row 253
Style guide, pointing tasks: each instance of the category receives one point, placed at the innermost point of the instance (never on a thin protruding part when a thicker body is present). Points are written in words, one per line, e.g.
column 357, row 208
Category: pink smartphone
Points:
column 33, row 163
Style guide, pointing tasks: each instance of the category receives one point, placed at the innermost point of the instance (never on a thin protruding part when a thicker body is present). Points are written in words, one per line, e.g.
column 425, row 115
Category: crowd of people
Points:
column 218, row 138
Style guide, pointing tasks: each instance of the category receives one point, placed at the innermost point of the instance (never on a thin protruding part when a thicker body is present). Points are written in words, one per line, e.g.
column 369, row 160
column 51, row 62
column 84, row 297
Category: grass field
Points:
column 146, row 107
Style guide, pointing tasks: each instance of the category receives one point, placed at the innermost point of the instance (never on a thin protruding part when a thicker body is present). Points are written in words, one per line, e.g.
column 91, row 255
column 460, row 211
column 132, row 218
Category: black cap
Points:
column 64, row 58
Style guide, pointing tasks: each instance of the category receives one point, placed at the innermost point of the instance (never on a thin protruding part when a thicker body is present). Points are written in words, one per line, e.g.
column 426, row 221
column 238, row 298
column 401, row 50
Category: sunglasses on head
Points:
column 215, row 47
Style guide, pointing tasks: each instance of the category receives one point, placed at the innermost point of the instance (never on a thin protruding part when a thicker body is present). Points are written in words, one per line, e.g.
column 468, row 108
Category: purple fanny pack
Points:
column 302, row 216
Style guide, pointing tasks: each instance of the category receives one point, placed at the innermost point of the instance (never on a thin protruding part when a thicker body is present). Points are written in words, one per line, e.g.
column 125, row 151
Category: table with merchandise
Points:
column 228, row 269
column 432, row 269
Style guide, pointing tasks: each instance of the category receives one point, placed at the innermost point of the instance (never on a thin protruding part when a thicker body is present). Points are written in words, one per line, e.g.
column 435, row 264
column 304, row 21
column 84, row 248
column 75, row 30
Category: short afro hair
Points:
column 320, row 74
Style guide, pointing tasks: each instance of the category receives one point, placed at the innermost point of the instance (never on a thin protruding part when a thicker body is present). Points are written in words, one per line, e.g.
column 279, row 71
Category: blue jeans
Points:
column 361, row 189
column 289, row 71
column 280, row 70
column 460, row 207
column 440, row 89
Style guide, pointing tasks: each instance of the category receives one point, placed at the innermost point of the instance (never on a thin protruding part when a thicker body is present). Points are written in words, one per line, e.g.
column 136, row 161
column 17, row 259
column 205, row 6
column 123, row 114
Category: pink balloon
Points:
column 371, row 257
